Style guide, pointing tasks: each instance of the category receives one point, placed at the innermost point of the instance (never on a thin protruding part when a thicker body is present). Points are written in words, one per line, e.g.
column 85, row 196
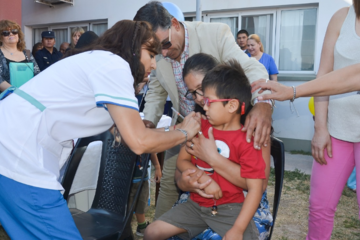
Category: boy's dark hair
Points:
column 230, row 82
column 154, row 13
column 243, row 31
column 199, row 63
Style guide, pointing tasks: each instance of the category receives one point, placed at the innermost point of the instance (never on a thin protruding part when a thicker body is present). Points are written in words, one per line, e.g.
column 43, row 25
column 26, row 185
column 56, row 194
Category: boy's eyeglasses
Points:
column 191, row 95
column 208, row 101
column 167, row 44
column 7, row 33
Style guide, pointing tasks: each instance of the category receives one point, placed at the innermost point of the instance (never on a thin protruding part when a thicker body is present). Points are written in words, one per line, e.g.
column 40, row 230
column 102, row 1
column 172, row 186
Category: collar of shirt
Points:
column 186, row 105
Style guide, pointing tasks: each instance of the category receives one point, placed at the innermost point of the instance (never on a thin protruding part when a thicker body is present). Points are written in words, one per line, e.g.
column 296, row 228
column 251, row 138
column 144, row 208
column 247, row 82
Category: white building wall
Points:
column 286, row 124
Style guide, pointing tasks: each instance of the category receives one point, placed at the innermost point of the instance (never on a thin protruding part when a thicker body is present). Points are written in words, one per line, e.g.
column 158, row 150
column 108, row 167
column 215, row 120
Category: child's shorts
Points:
column 142, row 203
column 194, row 219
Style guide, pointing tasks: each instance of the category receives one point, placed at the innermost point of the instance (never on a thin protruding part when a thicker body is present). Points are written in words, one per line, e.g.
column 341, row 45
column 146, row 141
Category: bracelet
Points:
column 294, row 96
column 167, row 128
column 269, row 101
column 184, row 132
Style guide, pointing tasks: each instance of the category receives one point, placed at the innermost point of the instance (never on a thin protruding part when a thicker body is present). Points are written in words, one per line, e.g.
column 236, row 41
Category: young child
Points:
column 142, row 202
column 226, row 90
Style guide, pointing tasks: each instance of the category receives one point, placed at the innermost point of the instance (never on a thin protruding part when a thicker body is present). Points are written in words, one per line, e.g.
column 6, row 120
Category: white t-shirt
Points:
column 74, row 91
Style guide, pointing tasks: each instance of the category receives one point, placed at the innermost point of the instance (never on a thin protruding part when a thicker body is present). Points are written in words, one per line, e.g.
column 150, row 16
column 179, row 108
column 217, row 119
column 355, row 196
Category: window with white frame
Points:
column 262, row 25
column 63, row 32
column 232, row 22
column 297, row 40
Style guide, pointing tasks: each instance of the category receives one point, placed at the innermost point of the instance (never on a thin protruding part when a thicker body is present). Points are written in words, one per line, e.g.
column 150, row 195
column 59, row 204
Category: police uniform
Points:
column 43, row 57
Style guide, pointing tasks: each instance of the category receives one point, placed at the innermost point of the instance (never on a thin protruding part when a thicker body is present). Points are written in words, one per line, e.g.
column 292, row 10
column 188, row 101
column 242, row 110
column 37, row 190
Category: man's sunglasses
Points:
column 7, row 33
column 167, row 44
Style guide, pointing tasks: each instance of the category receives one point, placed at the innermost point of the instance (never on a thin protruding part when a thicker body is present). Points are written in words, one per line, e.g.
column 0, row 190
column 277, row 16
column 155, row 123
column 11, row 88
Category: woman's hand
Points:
column 188, row 181
column 191, row 124
column 203, row 148
column 321, row 141
column 158, row 173
column 233, row 234
column 278, row 91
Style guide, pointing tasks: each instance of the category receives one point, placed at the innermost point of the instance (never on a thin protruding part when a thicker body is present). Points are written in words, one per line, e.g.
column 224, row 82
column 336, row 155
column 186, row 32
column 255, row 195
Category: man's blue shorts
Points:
column 28, row 212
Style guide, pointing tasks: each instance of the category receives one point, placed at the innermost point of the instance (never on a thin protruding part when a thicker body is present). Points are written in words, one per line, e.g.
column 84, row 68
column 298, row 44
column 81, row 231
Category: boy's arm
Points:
column 248, row 209
column 155, row 162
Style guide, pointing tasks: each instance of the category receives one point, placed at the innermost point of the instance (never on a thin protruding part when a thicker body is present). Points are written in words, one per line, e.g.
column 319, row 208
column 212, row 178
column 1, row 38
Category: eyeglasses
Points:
column 7, row 33
column 208, row 101
column 167, row 44
column 191, row 95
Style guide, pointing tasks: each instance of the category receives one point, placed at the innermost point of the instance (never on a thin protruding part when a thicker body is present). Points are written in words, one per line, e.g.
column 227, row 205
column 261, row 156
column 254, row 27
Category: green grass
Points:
column 352, row 222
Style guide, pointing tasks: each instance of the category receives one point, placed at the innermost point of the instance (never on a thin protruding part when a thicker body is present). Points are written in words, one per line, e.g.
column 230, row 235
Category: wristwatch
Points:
column 167, row 129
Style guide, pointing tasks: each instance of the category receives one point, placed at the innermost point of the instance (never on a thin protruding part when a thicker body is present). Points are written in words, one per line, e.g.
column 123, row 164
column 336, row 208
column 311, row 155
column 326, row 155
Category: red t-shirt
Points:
column 233, row 146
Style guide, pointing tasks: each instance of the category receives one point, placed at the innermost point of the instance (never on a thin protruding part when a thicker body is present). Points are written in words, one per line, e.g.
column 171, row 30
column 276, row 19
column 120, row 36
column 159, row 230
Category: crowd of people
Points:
column 218, row 149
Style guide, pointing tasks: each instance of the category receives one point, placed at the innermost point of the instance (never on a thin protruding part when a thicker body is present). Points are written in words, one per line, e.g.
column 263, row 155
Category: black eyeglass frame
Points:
column 6, row 33
column 192, row 94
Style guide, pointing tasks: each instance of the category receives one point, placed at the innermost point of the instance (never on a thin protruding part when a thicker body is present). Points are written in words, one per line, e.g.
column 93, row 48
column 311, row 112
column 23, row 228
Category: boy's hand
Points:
column 158, row 173
column 233, row 234
column 213, row 189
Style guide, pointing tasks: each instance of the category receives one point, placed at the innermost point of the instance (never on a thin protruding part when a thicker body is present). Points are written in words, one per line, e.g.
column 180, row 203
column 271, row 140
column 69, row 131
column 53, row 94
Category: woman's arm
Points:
column 141, row 139
column 273, row 77
column 321, row 139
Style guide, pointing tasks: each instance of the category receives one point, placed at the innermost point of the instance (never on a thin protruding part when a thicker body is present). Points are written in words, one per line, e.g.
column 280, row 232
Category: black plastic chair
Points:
column 278, row 154
column 110, row 215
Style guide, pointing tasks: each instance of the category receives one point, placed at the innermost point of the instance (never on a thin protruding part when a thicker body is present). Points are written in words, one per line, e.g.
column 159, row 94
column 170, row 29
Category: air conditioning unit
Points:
column 53, row 3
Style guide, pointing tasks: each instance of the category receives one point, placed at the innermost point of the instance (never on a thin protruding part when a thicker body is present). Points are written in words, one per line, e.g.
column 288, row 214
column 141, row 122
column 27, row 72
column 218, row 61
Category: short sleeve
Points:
column 272, row 66
column 251, row 162
column 112, row 83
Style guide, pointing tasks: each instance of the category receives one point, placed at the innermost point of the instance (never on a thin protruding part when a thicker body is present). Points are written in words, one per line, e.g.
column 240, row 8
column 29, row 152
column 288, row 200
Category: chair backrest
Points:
column 115, row 175
column 278, row 154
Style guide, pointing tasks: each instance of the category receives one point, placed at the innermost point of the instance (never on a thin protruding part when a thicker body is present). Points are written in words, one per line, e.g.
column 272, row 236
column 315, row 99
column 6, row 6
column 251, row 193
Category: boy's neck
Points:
column 232, row 124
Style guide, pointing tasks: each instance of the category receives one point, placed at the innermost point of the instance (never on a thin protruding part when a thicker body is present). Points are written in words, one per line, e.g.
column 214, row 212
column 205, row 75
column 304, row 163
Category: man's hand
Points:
column 149, row 124
column 258, row 120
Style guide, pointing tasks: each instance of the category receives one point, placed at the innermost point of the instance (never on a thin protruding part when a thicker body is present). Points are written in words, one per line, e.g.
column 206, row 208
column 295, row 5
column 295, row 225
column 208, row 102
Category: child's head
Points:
column 194, row 71
column 226, row 81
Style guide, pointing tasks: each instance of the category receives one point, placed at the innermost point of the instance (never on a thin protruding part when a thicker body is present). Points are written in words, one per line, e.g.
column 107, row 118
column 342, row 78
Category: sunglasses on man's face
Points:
column 7, row 33
column 167, row 44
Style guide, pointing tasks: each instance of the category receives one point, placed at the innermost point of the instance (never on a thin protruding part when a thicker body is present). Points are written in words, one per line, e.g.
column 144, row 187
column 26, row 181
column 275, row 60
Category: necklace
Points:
column 7, row 50
column 214, row 209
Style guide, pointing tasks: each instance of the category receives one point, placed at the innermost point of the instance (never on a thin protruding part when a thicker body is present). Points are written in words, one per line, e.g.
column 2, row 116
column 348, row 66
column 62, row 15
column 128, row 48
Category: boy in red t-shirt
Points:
column 226, row 90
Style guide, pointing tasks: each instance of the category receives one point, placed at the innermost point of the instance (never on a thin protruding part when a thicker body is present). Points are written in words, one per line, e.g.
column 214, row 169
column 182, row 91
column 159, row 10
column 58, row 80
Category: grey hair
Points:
column 154, row 13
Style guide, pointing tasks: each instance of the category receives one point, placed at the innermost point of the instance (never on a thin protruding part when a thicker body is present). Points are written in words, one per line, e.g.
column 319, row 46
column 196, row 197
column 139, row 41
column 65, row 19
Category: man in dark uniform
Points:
column 49, row 54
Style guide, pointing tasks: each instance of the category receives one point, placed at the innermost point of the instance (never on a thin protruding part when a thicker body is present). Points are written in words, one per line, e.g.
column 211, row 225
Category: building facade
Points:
column 10, row 10
column 292, row 33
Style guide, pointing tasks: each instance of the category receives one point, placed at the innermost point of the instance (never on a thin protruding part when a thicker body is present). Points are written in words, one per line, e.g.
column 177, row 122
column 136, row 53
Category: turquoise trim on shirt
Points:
column 121, row 98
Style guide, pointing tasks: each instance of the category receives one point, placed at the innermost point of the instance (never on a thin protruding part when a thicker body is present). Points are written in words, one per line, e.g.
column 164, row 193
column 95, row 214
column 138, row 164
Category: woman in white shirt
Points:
column 79, row 96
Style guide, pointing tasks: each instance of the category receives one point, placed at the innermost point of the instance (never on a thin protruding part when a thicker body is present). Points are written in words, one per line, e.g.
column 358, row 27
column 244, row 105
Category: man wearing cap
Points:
column 49, row 54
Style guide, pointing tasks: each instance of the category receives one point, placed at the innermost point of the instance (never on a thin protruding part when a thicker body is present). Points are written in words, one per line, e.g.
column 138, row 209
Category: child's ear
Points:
column 233, row 105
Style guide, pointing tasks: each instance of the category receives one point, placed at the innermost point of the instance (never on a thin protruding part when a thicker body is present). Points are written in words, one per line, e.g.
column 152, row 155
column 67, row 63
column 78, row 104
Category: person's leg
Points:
column 168, row 193
column 326, row 186
column 351, row 182
column 140, row 209
column 225, row 219
column 161, row 230
column 28, row 212
column 357, row 163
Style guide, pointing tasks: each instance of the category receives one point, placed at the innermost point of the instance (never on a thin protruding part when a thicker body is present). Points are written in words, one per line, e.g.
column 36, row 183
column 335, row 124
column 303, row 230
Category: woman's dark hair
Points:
column 35, row 48
column 125, row 39
column 199, row 63
column 356, row 4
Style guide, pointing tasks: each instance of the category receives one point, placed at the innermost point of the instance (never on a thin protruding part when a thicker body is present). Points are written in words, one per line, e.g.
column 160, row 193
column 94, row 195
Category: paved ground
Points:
column 301, row 162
